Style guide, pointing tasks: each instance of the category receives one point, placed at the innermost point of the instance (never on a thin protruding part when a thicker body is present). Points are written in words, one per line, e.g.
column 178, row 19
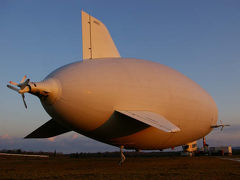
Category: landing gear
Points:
column 122, row 156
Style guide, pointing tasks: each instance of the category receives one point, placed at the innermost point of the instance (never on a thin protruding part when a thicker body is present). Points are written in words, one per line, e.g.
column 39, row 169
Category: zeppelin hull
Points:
column 92, row 90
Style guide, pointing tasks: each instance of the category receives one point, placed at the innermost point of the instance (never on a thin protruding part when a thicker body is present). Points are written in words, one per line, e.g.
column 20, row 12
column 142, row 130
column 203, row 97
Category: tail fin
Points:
column 49, row 129
column 96, row 40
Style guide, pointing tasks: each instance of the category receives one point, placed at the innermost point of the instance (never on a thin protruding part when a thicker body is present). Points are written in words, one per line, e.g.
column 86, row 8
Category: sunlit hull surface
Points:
column 90, row 91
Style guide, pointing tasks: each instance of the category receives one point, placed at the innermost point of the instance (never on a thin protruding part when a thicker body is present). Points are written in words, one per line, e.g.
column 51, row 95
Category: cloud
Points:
column 52, row 139
column 73, row 142
column 5, row 136
column 68, row 143
column 75, row 136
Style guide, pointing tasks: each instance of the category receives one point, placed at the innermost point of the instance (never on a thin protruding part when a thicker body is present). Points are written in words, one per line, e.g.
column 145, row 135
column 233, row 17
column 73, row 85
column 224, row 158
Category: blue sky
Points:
column 198, row 38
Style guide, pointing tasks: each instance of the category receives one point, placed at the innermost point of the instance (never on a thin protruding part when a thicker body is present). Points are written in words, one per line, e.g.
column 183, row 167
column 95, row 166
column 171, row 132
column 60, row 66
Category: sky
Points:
column 198, row 38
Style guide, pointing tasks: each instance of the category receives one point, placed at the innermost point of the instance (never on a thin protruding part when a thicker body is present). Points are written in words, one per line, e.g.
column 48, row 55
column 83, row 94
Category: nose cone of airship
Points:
column 48, row 90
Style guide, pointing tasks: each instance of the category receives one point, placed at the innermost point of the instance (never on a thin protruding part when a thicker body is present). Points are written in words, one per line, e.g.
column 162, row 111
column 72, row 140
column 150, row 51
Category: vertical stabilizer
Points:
column 96, row 40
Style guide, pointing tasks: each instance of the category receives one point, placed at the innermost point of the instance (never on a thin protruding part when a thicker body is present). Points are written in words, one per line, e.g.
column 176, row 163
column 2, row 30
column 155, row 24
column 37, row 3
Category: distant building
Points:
column 222, row 150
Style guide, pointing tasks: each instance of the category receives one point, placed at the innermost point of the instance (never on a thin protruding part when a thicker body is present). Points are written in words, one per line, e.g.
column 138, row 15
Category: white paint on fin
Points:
column 152, row 119
column 96, row 40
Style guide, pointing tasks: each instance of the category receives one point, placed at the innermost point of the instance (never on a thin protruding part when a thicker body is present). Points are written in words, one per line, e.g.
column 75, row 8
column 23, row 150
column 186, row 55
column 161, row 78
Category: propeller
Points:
column 23, row 88
column 220, row 125
column 223, row 125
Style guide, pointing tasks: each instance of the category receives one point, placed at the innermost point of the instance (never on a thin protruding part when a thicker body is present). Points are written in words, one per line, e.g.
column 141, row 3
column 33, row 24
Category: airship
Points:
column 125, row 102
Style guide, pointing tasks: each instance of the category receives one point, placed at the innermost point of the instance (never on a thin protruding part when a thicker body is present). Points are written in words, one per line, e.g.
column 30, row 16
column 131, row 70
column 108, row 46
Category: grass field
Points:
column 107, row 168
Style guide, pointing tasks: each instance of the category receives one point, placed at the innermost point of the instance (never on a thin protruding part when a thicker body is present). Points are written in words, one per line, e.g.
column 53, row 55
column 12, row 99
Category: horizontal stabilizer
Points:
column 49, row 129
column 152, row 119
